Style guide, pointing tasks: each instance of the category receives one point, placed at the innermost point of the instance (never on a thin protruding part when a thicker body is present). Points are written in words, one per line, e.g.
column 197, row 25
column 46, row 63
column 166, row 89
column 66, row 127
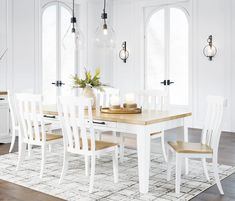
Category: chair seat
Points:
column 191, row 148
column 99, row 145
column 51, row 136
column 153, row 134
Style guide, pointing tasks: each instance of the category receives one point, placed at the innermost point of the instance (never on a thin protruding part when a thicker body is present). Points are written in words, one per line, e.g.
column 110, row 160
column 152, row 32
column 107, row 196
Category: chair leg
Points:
column 22, row 150
column 92, row 176
column 205, row 169
column 13, row 139
column 178, row 173
column 43, row 160
column 216, row 174
column 29, row 150
column 115, row 165
column 169, row 164
column 50, row 147
column 163, row 146
column 87, row 165
column 65, row 166
column 121, row 149
column 114, row 135
column 99, row 135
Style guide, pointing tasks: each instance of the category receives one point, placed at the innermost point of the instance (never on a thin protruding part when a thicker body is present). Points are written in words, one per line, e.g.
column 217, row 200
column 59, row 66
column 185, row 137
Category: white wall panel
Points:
column 209, row 78
column 214, row 17
column 3, row 44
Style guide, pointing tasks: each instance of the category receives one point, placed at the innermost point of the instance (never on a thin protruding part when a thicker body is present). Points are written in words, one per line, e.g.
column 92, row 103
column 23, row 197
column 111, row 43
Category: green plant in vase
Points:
column 89, row 83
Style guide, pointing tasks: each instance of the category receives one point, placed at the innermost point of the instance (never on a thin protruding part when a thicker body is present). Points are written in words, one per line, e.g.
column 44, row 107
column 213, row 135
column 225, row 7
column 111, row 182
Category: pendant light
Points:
column 75, row 29
column 105, row 35
column 73, row 20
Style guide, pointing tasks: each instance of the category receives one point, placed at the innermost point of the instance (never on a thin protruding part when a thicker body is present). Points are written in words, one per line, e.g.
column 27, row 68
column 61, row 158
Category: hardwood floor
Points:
column 13, row 192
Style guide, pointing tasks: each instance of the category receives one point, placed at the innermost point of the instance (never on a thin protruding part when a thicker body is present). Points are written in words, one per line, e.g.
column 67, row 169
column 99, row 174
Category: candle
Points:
column 114, row 100
column 130, row 98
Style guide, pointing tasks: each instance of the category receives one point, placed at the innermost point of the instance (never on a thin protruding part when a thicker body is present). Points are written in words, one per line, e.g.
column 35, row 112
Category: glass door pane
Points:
column 155, row 51
column 178, row 58
column 49, row 71
column 67, row 52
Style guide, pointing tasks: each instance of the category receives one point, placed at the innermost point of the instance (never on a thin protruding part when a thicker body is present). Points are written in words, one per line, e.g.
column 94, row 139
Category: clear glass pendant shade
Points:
column 79, row 39
column 105, row 36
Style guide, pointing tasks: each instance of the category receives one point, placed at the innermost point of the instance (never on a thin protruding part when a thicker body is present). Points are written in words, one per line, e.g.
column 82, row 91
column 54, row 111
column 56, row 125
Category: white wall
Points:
column 20, row 69
column 208, row 17
column 3, row 43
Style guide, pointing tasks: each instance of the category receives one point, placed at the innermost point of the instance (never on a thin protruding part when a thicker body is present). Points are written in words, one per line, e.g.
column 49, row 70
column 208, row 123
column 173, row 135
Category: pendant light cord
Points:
column 104, row 6
column 104, row 13
column 73, row 8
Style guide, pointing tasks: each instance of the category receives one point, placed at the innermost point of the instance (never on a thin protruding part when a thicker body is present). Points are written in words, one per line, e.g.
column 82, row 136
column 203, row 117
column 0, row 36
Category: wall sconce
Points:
column 210, row 50
column 124, row 54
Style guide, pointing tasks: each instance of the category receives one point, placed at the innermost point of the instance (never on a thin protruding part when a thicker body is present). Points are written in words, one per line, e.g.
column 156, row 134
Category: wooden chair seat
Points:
column 154, row 134
column 51, row 136
column 187, row 147
column 99, row 145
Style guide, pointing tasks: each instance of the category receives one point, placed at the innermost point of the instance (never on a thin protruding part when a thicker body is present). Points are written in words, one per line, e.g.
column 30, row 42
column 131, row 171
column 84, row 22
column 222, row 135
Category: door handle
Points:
column 164, row 82
column 2, row 98
column 49, row 116
column 169, row 82
column 58, row 83
column 96, row 122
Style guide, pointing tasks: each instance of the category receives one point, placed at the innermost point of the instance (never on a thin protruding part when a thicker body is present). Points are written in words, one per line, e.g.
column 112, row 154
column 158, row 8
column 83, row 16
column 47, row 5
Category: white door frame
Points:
column 186, row 7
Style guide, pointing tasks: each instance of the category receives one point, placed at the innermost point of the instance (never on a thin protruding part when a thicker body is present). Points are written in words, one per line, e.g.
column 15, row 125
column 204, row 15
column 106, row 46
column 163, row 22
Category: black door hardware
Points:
column 58, row 83
column 167, row 82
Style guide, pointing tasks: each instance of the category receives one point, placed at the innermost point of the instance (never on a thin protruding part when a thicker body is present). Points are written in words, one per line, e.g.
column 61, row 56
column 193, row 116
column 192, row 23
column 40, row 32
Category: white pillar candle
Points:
column 114, row 100
column 130, row 98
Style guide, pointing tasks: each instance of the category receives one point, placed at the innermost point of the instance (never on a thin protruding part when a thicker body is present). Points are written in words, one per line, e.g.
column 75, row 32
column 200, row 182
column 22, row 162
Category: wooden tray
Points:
column 120, row 111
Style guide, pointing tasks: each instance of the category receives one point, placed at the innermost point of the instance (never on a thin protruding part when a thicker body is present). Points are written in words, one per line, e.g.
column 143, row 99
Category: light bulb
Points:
column 105, row 31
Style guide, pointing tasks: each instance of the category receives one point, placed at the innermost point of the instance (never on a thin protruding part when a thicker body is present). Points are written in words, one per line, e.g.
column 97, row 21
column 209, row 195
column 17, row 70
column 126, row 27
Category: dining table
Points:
column 142, row 125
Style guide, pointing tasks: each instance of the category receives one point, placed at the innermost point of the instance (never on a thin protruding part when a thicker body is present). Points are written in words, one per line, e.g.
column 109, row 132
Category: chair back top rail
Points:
column 103, row 97
column 152, row 99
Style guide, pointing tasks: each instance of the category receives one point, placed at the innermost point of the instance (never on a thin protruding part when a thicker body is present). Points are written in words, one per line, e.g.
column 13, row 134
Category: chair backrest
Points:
column 152, row 99
column 212, row 126
column 77, row 127
column 13, row 109
column 31, row 117
column 103, row 97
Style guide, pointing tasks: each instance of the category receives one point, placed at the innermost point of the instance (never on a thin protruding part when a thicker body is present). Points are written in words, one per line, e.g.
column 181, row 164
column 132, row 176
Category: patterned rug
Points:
column 75, row 184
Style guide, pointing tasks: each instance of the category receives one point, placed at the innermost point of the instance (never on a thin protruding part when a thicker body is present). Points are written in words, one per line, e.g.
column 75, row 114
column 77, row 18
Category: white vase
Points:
column 88, row 92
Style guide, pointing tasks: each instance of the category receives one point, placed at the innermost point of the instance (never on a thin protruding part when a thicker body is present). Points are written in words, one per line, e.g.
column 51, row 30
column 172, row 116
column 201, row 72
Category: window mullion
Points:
column 167, row 42
column 167, row 51
column 58, row 47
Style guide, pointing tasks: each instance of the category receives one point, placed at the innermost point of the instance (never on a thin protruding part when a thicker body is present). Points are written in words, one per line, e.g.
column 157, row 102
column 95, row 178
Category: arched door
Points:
column 58, row 51
column 167, row 53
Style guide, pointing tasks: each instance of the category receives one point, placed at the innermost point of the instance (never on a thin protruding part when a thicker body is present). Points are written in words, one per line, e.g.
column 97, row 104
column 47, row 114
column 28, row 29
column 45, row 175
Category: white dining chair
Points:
column 207, row 148
column 15, row 127
column 79, row 136
column 103, row 100
column 32, row 126
column 150, row 100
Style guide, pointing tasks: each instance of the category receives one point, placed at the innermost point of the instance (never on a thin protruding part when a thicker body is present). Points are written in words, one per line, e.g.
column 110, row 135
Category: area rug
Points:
column 75, row 184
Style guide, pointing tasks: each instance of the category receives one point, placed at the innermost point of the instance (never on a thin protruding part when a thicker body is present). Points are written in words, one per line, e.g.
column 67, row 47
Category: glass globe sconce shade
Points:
column 209, row 50
column 124, row 54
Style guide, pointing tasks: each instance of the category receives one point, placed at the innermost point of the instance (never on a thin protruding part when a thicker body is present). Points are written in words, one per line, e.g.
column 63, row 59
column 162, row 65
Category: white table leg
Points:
column 186, row 140
column 143, row 148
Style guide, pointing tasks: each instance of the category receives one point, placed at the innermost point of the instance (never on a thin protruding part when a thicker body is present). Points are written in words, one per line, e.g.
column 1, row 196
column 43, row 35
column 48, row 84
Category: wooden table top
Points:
column 145, row 118
column 3, row 93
